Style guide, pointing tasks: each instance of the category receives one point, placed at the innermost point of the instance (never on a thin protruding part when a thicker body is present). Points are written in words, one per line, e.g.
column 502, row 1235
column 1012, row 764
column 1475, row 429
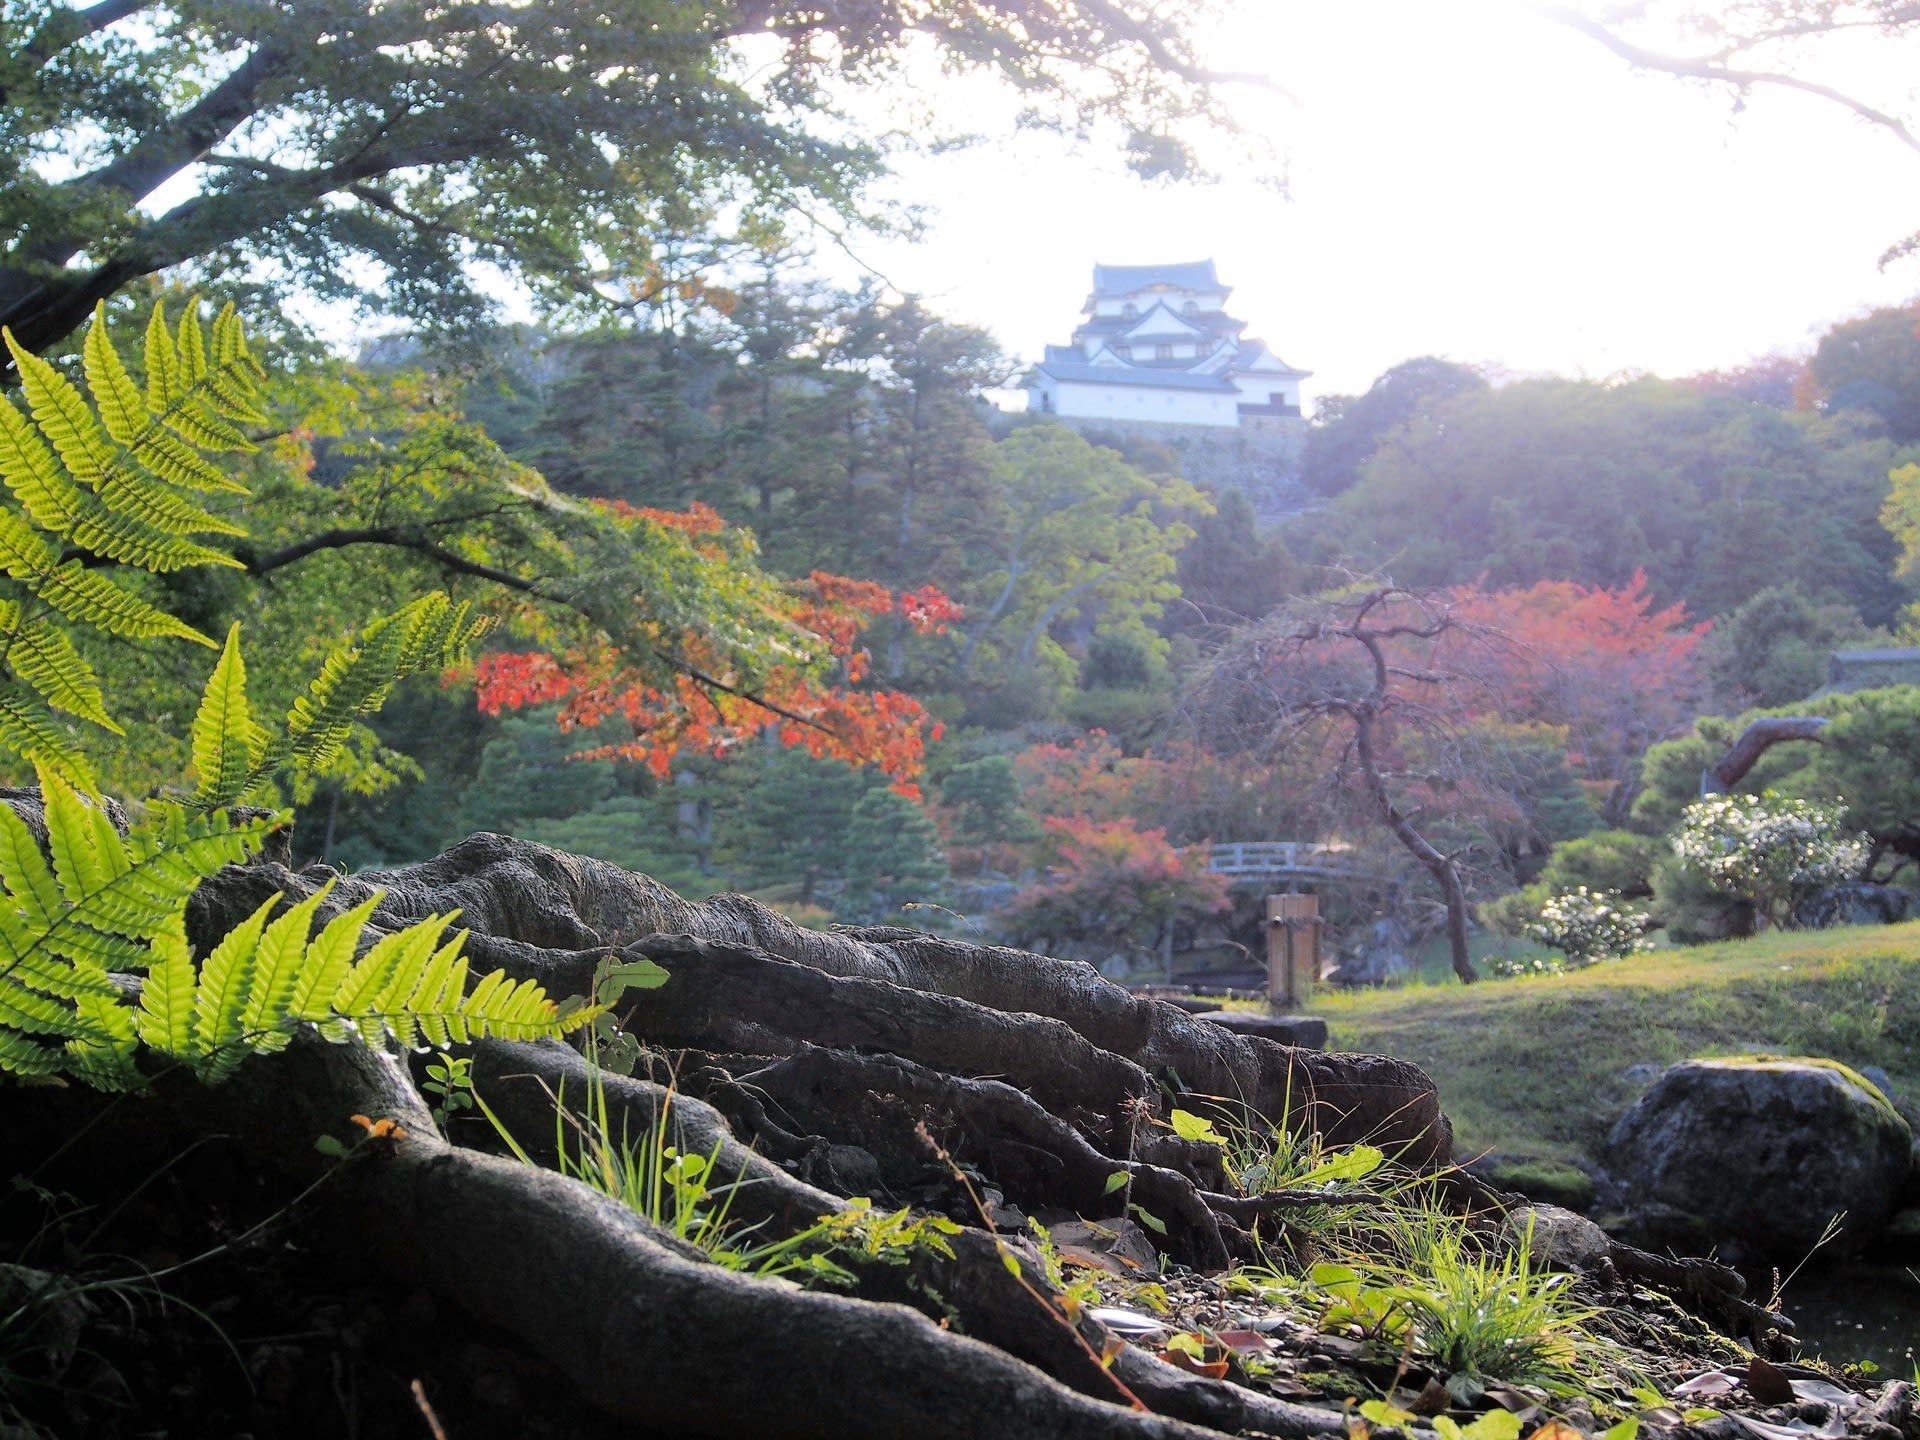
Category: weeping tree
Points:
column 1378, row 685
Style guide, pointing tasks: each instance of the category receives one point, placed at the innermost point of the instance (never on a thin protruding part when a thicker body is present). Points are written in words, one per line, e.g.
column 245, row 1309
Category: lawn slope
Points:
column 1540, row 1066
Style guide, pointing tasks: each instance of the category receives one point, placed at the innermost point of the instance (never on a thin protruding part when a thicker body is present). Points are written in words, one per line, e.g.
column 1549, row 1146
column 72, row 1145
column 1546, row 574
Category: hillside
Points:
column 1544, row 1066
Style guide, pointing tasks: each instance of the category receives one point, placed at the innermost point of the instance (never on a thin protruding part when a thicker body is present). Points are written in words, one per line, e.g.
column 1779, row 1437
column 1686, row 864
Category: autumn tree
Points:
column 1372, row 679
column 1112, row 885
column 1614, row 669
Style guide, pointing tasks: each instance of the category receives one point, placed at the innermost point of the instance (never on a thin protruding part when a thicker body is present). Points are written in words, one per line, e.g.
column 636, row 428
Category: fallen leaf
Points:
column 1245, row 1342
column 1768, row 1385
column 1711, row 1383
column 1125, row 1322
column 1834, row 1429
column 1087, row 1259
column 1556, row 1430
column 1211, row 1369
column 1826, row 1393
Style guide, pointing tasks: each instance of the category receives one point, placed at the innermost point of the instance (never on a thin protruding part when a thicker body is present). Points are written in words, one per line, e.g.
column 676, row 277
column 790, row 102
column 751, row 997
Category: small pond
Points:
column 1858, row 1310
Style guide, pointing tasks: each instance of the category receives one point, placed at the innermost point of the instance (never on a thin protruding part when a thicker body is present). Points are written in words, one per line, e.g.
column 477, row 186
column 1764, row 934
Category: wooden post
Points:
column 1293, row 949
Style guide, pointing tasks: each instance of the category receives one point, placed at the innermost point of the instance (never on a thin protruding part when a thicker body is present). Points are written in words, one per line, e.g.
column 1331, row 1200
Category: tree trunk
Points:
column 1761, row 736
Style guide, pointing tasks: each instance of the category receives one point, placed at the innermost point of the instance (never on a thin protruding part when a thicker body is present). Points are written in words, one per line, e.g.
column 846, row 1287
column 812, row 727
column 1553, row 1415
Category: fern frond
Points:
column 362, row 994
column 115, row 395
column 431, row 632
column 104, row 1058
column 48, row 662
column 329, row 961
column 22, row 1056
column 37, row 1013
column 520, row 1011
column 63, row 417
column 28, row 730
column 191, row 348
column 89, row 597
column 77, row 862
column 189, row 411
column 163, row 363
column 283, row 956
column 165, row 1018
column 30, row 471
column 23, row 554
column 25, row 874
column 223, row 734
column 226, row 977
column 153, row 887
column 133, row 539
column 441, row 989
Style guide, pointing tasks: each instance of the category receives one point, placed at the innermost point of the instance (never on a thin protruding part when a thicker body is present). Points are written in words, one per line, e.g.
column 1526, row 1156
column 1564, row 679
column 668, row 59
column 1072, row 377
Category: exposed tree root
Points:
column 816, row 1067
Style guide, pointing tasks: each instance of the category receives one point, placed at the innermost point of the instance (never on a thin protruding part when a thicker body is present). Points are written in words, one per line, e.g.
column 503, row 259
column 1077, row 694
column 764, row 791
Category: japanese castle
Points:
column 1158, row 347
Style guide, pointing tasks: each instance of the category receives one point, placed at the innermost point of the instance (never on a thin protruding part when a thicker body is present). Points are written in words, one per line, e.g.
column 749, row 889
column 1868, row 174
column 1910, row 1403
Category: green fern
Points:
column 236, row 757
column 108, row 475
column 96, row 906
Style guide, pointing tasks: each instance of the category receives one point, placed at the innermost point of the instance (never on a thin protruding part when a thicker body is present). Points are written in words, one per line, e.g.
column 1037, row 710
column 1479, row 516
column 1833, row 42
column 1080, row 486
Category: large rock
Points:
column 1857, row 903
column 1760, row 1154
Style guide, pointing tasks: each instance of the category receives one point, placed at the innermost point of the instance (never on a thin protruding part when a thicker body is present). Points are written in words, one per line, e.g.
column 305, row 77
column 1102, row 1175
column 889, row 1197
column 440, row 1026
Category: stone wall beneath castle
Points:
column 1260, row 459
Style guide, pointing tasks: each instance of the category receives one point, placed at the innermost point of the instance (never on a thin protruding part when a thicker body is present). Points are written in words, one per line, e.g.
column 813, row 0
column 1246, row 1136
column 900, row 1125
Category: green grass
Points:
column 1538, row 1066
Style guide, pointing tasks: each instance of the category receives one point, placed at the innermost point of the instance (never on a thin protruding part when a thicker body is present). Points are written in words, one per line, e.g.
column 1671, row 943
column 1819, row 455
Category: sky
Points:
column 1464, row 179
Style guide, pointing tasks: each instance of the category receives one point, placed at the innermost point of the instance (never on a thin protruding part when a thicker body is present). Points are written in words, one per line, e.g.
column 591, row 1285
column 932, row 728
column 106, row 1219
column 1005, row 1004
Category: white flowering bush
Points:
column 1768, row 849
column 1588, row 925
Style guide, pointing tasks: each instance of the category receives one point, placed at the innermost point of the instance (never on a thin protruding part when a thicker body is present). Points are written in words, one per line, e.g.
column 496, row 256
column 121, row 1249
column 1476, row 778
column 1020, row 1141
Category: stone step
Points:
column 1309, row 1032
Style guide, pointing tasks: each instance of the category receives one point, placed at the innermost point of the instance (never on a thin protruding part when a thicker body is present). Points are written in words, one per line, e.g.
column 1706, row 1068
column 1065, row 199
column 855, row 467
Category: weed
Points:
column 1480, row 1311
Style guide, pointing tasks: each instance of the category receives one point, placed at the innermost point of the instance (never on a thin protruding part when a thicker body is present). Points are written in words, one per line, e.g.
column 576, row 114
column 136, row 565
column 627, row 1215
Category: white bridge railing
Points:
column 1279, row 857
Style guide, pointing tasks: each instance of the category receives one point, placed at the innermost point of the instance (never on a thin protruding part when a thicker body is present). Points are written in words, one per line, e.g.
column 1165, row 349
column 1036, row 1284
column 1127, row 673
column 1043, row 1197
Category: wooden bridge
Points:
column 1246, row 861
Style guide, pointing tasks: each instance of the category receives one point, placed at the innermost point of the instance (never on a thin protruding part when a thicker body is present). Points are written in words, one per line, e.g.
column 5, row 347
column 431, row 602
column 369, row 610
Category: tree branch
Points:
column 1761, row 736
column 1714, row 69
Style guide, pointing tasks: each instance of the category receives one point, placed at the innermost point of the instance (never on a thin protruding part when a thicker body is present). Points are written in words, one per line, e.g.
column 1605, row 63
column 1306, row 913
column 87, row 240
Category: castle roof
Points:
column 1129, row 279
column 1157, row 379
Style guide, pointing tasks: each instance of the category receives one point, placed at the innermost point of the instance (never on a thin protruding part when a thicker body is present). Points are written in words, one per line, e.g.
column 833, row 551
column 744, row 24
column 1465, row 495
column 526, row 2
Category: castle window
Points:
column 1190, row 308
column 1163, row 352
column 1124, row 352
column 1130, row 311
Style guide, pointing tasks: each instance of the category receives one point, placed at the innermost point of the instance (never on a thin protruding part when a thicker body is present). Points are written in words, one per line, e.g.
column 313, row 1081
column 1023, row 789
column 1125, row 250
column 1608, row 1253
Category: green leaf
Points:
column 1149, row 1219
column 329, row 960
column 165, row 1017
column 226, row 976
column 615, row 980
column 114, row 394
column 223, row 730
column 1355, row 1163
column 63, row 417
column 1116, row 1181
column 1189, row 1126
column 163, row 366
column 48, row 661
column 282, row 956
column 1500, row 1425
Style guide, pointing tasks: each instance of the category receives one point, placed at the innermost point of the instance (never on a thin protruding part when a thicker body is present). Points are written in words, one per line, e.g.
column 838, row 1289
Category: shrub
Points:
column 1767, row 849
column 1588, row 925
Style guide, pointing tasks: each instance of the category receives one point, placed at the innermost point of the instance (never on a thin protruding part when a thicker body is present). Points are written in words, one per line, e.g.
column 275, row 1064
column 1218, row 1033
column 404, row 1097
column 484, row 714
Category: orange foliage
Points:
column 829, row 717
column 1618, row 673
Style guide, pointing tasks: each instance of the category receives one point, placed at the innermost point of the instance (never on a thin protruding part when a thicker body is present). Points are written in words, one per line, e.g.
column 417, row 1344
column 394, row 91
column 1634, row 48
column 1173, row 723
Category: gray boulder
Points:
column 1760, row 1154
column 1857, row 903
